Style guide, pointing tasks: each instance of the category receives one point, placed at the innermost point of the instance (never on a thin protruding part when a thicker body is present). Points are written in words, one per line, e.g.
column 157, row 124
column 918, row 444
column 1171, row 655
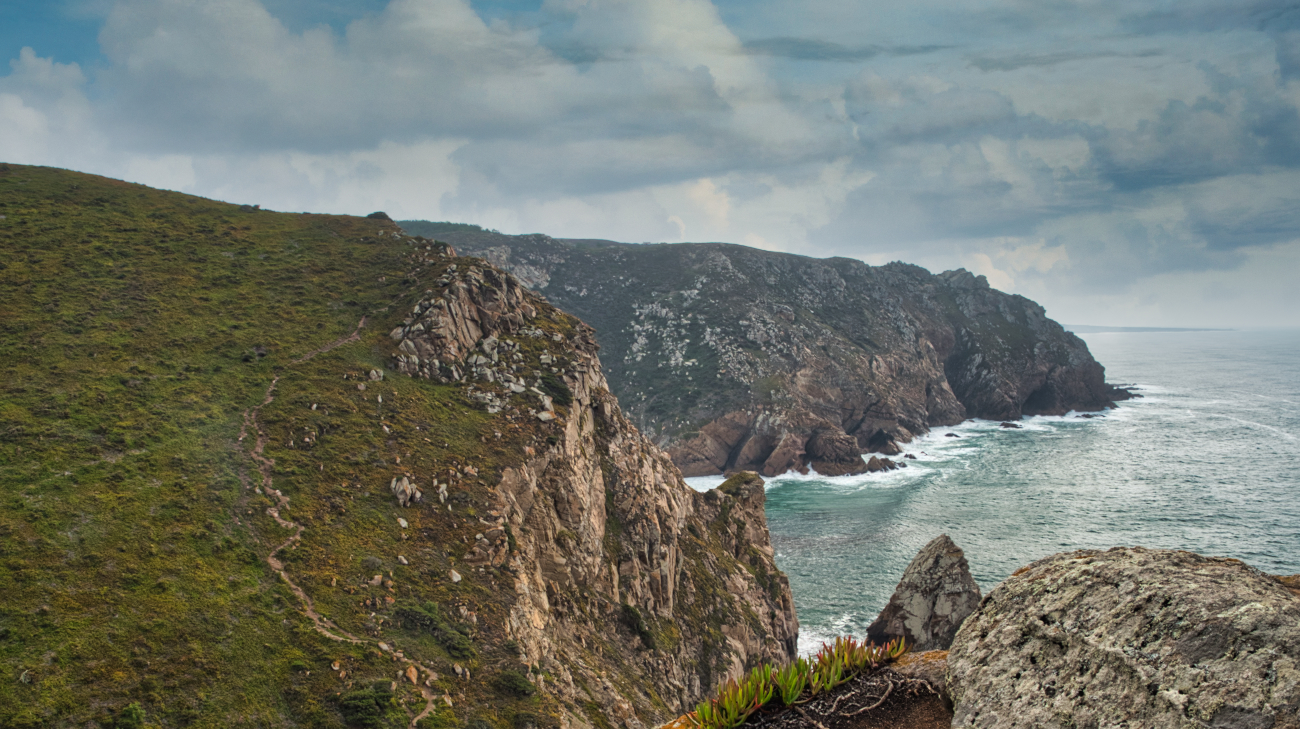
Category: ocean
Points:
column 1208, row 460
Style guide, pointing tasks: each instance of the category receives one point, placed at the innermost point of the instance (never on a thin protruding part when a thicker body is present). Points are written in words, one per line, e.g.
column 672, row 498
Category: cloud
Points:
column 1016, row 62
column 809, row 49
column 1060, row 148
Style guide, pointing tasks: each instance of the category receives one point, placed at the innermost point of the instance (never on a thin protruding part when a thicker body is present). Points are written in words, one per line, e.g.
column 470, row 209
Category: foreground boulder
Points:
column 935, row 595
column 1130, row 637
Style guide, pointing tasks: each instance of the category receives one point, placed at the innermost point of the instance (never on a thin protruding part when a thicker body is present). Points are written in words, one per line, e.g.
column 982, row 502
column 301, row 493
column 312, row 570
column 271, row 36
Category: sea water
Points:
column 1208, row 460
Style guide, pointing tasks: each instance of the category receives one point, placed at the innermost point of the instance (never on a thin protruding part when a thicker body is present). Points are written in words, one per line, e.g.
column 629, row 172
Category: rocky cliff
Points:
column 1130, row 637
column 733, row 358
column 596, row 526
column 263, row 469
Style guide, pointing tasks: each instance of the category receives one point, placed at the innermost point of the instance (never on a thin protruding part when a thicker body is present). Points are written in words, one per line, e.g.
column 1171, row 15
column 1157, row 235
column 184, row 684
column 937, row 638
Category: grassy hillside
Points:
column 140, row 331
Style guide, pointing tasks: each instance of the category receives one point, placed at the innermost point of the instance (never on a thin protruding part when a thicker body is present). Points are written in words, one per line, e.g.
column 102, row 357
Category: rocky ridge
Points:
column 598, row 527
column 733, row 358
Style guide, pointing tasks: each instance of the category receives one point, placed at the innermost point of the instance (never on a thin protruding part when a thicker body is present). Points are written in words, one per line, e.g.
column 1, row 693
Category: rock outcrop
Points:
column 733, row 358
column 1130, row 637
column 935, row 595
column 634, row 593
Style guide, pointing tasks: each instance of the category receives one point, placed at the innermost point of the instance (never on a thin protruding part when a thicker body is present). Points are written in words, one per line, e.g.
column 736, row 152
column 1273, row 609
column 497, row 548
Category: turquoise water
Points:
column 1208, row 460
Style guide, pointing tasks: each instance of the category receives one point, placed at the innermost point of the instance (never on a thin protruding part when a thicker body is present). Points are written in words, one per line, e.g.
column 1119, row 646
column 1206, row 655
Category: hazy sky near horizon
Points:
column 1123, row 163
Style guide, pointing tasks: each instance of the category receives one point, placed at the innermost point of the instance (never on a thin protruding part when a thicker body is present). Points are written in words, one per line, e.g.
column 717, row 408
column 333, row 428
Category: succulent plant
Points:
column 795, row 683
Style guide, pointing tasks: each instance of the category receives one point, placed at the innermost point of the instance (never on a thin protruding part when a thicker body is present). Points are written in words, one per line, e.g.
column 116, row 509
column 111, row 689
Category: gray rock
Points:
column 1130, row 637
column 935, row 595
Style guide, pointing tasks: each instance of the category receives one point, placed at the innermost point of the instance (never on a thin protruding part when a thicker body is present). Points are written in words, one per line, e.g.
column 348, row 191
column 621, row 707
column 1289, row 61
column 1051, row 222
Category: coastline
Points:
column 1203, row 461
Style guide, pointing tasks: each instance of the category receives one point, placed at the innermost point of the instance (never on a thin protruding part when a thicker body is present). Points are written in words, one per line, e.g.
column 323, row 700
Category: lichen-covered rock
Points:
column 733, row 358
column 929, row 666
column 1130, row 637
column 936, row 594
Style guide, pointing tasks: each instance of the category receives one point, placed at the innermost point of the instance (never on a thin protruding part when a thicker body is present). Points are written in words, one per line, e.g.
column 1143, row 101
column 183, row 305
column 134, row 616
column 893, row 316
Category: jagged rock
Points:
column 376, row 375
column 876, row 465
column 1130, row 637
column 935, row 595
column 1010, row 425
column 832, row 452
column 405, row 491
column 455, row 576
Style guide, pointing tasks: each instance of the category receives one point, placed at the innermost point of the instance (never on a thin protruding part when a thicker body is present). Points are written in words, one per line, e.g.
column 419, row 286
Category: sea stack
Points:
column 935, row 595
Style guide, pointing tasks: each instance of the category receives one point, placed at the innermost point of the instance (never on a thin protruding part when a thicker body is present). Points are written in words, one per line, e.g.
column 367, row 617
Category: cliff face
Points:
column 733, row 358
column 596, row 526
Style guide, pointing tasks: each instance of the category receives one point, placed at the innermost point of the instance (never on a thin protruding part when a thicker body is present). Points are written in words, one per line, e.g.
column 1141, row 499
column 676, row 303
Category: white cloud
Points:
column 1070, row 152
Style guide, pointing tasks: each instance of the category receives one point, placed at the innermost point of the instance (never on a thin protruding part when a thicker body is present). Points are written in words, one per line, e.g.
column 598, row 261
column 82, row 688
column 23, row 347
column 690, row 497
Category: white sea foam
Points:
column 811, row 639
column 704, row 483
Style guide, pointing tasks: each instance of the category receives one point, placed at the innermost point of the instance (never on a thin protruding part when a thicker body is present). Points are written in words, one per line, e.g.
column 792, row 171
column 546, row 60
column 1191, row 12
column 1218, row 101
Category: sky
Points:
column 1124, row 163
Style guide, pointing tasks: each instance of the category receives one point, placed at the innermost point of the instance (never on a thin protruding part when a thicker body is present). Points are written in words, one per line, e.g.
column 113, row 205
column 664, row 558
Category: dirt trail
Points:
column 265, row 468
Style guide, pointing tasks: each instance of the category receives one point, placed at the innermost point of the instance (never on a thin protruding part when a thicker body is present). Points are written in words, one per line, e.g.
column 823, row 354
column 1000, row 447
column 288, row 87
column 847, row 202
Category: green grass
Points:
column 136, row 329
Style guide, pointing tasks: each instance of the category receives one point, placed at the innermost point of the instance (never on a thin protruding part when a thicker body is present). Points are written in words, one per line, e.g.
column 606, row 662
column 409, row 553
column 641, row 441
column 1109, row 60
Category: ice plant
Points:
column 835, row 664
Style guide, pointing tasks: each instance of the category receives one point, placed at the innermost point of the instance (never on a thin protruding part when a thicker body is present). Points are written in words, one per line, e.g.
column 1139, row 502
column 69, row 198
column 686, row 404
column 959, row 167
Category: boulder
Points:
column 1130, row 637
column 834, row 453
column 929, row 666
column 935, row 595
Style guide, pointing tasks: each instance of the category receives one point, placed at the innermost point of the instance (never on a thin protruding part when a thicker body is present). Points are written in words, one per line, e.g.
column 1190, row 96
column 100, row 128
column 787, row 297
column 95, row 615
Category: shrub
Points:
column 636, row 623
column 514, row 682
column 131, row 717
column 554, row 386
column 428, row 617
column 366, row 707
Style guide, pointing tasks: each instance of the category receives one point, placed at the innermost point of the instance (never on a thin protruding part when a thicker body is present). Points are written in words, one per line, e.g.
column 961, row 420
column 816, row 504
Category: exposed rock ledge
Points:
column 1130, row 637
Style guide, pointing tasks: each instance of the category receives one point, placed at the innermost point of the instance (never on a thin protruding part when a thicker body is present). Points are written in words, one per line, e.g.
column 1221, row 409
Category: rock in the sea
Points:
column 831, row 452
column 935, row 595
column 1010, row 425
column 1130, row 637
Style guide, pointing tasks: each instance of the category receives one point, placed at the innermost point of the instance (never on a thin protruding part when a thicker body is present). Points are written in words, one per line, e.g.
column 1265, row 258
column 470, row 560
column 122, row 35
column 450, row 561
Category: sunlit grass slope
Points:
column 137, row 328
